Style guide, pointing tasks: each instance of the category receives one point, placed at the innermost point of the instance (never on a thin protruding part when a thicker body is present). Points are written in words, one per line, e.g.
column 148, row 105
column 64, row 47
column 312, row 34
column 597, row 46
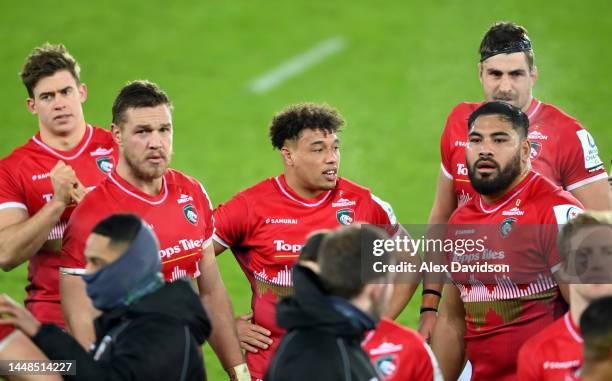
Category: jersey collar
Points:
column 131, row 190
column 571, row 327
column 533, row 109
column 70, row 154
column 290, row 194
column 532, row 175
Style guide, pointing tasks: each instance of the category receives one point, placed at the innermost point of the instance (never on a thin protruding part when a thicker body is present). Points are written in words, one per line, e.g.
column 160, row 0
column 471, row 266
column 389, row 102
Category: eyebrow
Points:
column 53, row 92
column 337, row 141
column 148, row 126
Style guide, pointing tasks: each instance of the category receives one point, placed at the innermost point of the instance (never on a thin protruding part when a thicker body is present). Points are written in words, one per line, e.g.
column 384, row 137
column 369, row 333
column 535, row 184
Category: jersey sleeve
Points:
column 208, row 219
column 527, row 364
column 558, row 214
column 72, row 260
column 231, row 221
column 579, row 159
column 11, row 194
column 445, row 147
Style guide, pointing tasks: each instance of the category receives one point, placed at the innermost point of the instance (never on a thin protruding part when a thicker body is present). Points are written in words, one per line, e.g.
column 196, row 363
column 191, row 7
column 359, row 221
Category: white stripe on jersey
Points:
column 53, row 152
column 445, row 172
column 586, row 181
column 219, row 240
column 10, row 205
column 301, row 202
column 387, row 208
column 165, row 190
column 69, row 271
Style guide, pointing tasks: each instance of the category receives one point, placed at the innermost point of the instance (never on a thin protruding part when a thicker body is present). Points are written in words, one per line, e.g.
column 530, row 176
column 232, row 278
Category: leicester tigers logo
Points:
column 190, row 214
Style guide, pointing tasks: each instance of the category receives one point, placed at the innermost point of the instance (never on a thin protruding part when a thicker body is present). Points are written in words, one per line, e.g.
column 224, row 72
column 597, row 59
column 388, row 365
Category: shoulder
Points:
column 102, row 135
column 544, row 338
column 545, row 193
column 18, row 156
column 462, row 111
column 256, row 192
column 560, row 118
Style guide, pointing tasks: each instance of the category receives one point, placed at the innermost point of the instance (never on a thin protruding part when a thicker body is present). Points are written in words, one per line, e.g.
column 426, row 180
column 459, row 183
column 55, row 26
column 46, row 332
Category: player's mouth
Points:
column 156, row 159
column 63, row 118
column 485, row 167
column 331, row 174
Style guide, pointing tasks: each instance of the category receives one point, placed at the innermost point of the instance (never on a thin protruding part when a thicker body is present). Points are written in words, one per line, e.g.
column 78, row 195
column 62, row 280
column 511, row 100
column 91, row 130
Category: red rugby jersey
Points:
column 504, row 309
column 550, row 354
column 266, row 225
column 561, row 149
column 5, row 330
column 25, row 184
column 399, row 353
column 180, row 216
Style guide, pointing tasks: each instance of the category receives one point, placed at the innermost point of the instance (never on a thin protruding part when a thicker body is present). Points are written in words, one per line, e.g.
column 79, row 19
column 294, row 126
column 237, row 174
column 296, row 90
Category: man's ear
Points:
column 525, row 150
column 287, row 156
column 117, row 134
column 31, row 105
column 480, row 71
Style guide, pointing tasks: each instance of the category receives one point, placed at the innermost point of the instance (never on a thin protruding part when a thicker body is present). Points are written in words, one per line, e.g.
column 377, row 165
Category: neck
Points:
column 578, row 305
column 152, row 187
column 491, row 198
column 66, row 141
column 528, row 104
column 299, row 188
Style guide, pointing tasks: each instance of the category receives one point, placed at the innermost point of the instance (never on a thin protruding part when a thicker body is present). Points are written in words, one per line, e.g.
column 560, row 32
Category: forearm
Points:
column 20, row 241
column 447, row 343
column 223, row 339
column 79, row 313
column 402, row 293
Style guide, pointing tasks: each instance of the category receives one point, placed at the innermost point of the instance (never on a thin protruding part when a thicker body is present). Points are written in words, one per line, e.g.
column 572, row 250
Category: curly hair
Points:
column 46, row 60
column 289, row 123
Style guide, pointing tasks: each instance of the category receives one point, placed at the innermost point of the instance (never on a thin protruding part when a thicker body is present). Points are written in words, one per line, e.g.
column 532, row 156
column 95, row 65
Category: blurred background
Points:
column 393, row 69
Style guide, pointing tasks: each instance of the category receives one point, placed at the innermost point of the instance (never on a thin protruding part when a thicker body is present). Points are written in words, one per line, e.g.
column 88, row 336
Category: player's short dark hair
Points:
column 340, row 259
column 514, row 115
column 310, row 250
column 122, row 229
column 584, row 220
column 138, row 94
column 506, row 37
column 46, row 60
column 289, row 123
column 596, row 328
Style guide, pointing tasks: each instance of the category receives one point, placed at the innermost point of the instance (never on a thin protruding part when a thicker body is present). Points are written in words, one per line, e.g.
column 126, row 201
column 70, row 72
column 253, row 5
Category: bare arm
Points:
column 218, row 247
column 444, row 204
column 594, row 196
column 448, row 334
column 21, row 237
column 79, row 313
column 224, row 339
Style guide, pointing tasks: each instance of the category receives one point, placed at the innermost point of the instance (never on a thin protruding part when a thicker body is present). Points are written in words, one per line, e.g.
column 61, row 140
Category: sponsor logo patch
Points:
column 281, row 221
column 190, row 214
column 345, row 216
column 536, row 148
column 184, row 198
column 513, row 212
column 506, row 226
column 343, row 202
column 589, row 150
column 105, row 164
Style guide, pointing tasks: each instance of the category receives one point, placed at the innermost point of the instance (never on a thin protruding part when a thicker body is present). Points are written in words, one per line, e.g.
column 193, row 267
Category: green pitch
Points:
column 402, row 68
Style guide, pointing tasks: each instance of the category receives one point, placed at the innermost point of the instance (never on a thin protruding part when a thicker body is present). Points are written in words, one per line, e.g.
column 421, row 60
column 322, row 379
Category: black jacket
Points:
column 321, row 343
column 157, row 338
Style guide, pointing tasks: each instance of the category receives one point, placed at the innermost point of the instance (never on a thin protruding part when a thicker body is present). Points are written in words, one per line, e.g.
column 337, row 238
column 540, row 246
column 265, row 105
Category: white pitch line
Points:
column 297, row 64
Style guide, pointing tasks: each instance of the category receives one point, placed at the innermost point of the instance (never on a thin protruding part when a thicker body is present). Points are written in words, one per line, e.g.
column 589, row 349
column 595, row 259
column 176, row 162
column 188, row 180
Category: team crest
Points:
column 345, row 216
column 105, row 164
column 536, row 147
column 506, row 226
column 190, row 214
column 387, row 365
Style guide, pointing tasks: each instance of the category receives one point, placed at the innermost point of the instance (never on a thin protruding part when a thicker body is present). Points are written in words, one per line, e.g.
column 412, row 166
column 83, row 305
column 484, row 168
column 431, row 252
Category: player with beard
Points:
column 266, row 225
column 492, row 314
column 560, row 148
column 585, row 244
column 174, row 205
column 42, row 181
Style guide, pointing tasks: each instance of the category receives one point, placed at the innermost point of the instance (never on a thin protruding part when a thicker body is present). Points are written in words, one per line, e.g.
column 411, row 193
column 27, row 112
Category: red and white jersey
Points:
column 399, row 353
column 552, row 353
column 180, row 216
column 504, row 308
column 266, row 225
column 5, row 330
column 561, row 149
column 25, row 183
